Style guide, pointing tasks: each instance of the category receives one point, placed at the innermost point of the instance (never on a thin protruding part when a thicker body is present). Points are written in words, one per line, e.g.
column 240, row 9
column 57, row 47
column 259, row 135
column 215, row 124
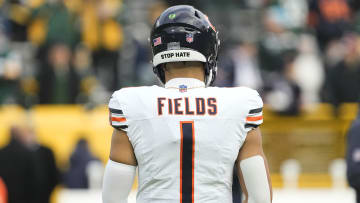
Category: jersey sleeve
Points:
column 254, row 116
column 117, row 117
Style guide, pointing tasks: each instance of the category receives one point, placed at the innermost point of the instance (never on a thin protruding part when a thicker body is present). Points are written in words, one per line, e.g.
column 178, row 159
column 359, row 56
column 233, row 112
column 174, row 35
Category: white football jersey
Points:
column 186, row 137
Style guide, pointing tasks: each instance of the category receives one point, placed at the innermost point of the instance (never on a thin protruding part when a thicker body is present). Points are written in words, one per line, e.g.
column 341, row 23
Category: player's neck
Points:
column 186, row 72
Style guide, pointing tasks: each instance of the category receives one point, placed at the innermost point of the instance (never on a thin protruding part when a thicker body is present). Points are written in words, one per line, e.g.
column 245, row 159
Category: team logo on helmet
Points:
column 172, row 16
column 189, row 37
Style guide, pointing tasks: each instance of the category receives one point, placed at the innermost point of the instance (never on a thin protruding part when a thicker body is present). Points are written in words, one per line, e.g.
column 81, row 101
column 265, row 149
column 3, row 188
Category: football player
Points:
column 184, row 138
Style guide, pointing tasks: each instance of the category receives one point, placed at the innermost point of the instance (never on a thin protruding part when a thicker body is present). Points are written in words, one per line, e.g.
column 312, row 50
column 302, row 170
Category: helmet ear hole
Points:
column 197, row 14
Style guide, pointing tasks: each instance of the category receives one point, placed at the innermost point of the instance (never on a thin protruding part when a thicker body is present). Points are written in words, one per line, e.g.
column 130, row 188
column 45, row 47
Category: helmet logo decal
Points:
column 157, row 41
column 182, row 88
column 189, row 37
column 172, row 16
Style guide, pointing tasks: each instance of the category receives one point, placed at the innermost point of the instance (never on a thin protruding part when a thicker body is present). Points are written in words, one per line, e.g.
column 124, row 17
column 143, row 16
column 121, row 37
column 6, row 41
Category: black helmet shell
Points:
column 183, row 33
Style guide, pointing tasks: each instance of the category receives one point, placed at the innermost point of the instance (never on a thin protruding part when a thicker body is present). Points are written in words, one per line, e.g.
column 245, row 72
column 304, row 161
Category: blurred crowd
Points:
column 295, row 53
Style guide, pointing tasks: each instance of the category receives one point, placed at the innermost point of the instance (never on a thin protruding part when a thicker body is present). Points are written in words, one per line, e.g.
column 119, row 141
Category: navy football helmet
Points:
column 183, row 33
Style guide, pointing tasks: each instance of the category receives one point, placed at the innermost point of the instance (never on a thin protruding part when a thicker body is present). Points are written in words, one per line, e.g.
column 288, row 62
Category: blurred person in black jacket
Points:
column 76, row 176
column 282, row 92
column 353, row 156
column 17, row 169
column 47, row 175
column 343, row 78
column 58, row 81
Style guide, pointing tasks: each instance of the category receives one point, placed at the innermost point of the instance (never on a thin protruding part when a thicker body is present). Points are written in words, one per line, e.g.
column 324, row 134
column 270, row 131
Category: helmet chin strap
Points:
column 208, row 79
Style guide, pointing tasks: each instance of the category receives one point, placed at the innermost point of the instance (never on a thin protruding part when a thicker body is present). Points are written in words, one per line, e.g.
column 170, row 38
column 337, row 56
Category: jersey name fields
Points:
column 185, row 106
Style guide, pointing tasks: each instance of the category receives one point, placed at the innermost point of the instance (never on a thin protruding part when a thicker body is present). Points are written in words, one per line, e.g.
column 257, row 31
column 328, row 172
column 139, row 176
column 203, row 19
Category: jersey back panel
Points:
column 185, row 142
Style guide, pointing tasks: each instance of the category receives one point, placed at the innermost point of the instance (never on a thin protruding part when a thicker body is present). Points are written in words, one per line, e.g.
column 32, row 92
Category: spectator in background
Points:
column 4, row 22
column 343, row 81
column 58, row 23
column 309, row 71
column 47, row 175
column 141, row 66
column 247, row 72
column 353, row 156
column 76, row 176
column 240, row 68
column 88, row 84
column 17, row 169
column 282, row 92
column 10, row 71
column 19, row 15
column 330, row 19
column 103, row 34
column 275, row 42
column 58, row 82
column 111, row 34
column 3, row 192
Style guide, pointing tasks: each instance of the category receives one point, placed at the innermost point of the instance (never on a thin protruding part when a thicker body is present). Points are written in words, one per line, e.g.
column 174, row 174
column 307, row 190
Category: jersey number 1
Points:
column 187, row 152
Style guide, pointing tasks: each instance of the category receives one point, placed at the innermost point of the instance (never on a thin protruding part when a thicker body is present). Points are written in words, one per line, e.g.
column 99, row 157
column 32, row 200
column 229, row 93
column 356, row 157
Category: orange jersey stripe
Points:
column 122, row 119
column 256, row 118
